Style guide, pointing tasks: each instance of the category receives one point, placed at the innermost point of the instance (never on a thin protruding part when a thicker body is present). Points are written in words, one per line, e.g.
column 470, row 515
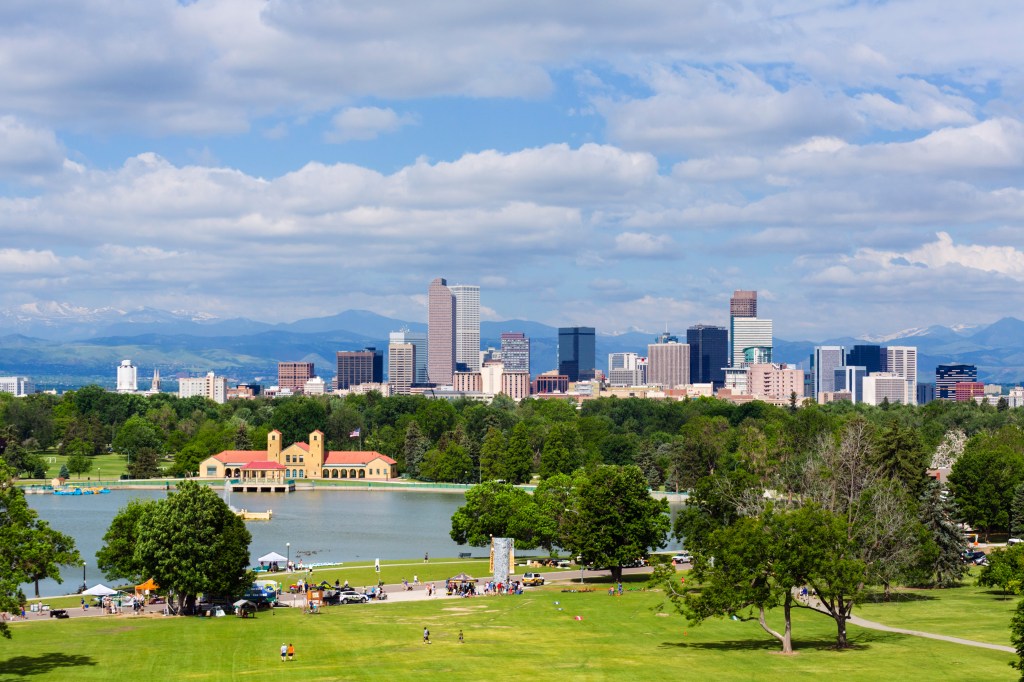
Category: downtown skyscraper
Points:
column 576, row 353
column 709, row 354
column 440, row 333
column 467, row 327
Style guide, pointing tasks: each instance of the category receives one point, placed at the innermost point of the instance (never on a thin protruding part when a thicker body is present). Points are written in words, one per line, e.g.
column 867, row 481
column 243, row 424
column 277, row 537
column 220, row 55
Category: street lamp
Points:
column 579, row 560
column 288, row 564
column 83, row 577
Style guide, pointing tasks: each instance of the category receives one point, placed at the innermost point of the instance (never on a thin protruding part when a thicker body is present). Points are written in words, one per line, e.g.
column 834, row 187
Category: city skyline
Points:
column 627, row 163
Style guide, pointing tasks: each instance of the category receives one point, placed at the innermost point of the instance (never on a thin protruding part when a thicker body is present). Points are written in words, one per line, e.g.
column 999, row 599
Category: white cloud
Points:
column 366, row 123
column 28, row 261
column 27, row 151
column 644, row 245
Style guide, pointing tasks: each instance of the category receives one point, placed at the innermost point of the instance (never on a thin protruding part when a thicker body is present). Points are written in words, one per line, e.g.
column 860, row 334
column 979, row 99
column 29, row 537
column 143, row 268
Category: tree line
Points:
column 674, row 443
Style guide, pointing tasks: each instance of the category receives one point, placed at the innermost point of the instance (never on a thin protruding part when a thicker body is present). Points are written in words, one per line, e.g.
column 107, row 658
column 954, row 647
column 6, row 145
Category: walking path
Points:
column 871, row 625
column 816, row 604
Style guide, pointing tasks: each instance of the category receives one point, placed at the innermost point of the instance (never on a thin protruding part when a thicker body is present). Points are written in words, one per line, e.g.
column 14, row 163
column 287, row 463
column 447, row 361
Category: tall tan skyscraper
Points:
column 668, row 364
column 440, row 333
column 401, row 367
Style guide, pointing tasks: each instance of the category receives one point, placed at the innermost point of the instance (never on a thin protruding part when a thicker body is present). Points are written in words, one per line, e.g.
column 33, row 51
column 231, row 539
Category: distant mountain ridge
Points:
column 67, row 341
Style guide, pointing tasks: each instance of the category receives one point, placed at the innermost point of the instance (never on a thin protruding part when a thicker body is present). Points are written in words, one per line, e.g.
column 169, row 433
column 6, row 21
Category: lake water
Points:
column 328, row 526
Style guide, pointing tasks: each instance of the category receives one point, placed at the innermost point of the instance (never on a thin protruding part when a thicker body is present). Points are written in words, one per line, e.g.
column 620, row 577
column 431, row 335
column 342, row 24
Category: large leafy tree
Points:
column 137, row 434
column 498, row 510
column 1005, row 569
column 117, row 558
column 984, row 478
column 191, row 543
column 29, row 549
column 614, row 519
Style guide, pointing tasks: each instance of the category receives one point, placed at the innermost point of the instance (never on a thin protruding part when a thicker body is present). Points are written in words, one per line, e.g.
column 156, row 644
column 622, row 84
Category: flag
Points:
column 354, row 434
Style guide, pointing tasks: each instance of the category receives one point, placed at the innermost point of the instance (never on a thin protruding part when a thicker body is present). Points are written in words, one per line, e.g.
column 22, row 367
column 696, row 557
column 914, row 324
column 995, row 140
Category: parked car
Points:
column 682, row 558
column 533, row 579
column 352, row 597
column 564, row 563
column 974, row 557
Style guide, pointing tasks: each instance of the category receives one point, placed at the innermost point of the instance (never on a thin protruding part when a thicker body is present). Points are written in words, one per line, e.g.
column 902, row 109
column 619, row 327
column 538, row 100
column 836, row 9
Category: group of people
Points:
column 491, row 587
column 287, row 652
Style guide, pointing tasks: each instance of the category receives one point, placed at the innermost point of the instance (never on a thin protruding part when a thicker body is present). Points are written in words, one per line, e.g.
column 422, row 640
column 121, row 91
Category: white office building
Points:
column 882, row 386
column 211, row 386
column 749, row 332
column 17, row 386
column 902, row 361
column 127, row 377
column 627, row 369
column 467, row 326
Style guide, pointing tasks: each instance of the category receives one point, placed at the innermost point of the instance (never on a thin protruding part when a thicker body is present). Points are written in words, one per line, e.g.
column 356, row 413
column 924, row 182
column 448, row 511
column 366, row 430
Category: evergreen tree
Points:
column 242, row 439
column 938, row 515
column 416, row 445
column 1017, row 512
column 492, row 455
column 519, row 455
column 64, row 473
column 144, row 464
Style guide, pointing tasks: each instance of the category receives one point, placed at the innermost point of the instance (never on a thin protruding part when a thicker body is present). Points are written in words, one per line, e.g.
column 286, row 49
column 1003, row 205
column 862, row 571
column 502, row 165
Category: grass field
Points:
column 978, row 613
column 531, row 637
column 105, row 467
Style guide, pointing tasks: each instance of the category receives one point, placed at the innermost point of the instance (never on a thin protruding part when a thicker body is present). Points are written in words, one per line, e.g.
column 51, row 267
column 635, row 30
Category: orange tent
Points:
column 148, row 585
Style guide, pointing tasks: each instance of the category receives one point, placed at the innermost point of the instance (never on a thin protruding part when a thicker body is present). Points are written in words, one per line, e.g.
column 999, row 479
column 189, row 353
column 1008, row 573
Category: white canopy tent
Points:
column 272, row 558
column 99, row 591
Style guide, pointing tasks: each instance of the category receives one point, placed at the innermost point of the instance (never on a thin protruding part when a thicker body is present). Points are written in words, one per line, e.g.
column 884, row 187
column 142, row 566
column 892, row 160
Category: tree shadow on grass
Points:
column 862, row 642
column 44, row 664
column 897, row 597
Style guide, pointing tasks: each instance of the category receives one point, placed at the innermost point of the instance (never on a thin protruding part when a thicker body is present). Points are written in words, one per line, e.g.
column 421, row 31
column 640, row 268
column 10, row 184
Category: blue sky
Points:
column 622, row 166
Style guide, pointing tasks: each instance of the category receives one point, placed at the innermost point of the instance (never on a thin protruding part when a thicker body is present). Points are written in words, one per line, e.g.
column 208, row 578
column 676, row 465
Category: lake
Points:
column 329, row 526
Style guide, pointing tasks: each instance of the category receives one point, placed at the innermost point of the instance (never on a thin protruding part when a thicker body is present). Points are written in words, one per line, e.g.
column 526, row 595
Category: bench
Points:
column 465, row 555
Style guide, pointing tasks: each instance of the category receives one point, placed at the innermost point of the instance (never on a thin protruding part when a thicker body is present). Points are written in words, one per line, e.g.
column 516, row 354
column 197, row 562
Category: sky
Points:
column 620, row 165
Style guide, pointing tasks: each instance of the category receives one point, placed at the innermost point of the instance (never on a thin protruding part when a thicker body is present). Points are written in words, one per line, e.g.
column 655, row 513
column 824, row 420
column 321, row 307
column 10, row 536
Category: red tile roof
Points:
column 304, row 446
column 241, row 456
column 349, row 457
column 263, row 465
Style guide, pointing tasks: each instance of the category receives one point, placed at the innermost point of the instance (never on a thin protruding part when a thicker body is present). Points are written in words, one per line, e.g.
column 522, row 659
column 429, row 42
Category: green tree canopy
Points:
column 31, row 550
column 191, row 543
column 498, row 510
column 614, row 519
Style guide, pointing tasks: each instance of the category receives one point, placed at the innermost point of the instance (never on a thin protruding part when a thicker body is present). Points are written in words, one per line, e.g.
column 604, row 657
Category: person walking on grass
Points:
column 291, row 651
column 426, row 636
column 461, row 639
column 284, row 652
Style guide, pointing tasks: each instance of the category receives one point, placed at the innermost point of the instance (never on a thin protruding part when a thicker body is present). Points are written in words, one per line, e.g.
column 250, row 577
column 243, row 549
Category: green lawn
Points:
column 532, row 637
column 979, row 613
column 105, row 467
